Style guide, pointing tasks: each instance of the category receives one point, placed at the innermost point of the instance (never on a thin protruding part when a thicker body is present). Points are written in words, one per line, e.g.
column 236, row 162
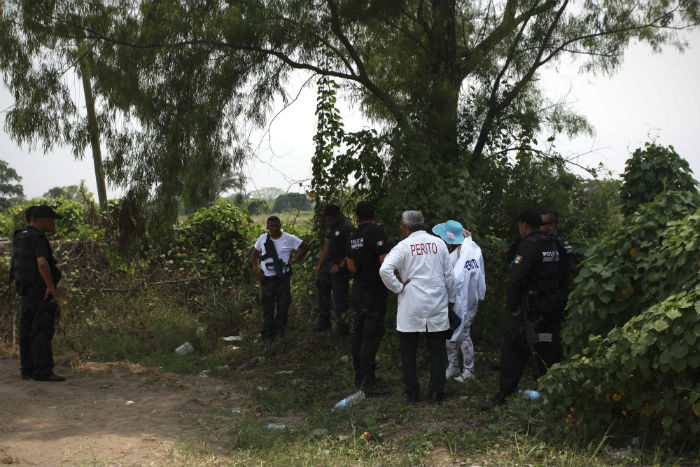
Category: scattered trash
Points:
column 344, row 359
column 276, row 426
column 232, row 338
column 219, row 448
column 348, row 401
column 531, row 395
column 367, row 436
column 184, row 349
column 284, row 372
column 129, row 403
column 619, row 453
column 319, row 432
column 343, row 437
column 262, row 388
column 204, row 373
column 249, row 363
column 236, row 411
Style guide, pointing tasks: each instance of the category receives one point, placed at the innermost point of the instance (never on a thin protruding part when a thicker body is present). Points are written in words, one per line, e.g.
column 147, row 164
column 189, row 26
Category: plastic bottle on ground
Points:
column 348, row 401
column 529, row 394
column 276, row 426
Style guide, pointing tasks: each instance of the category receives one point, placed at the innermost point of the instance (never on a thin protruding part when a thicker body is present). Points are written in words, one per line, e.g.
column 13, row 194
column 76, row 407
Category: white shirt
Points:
column 470, row 282
column 284, row 246
column 422, row 258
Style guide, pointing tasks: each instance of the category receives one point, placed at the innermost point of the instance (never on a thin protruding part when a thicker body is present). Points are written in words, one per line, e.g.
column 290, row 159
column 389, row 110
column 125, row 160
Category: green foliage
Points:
column 595, row 208
column 74, row 225
column 652, row 170
column 71, row 192
column 633, row 329
column 508, row 186
column 10, row 188
column 291, row 202
column 631, row 267
column 643, row 376
column 215, row 242
column 257, row 206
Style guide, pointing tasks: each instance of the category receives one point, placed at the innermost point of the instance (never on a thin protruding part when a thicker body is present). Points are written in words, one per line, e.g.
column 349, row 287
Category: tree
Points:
column 652, row 170
column 11, row 190
column 290, row 202
column 35, row 55
column 453, row 82
column 71, row 192
column 267, row 193
column 258, row 206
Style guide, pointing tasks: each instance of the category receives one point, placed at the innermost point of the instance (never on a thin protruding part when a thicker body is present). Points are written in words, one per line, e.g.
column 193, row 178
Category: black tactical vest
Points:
column 24, row 269
column 546, row 275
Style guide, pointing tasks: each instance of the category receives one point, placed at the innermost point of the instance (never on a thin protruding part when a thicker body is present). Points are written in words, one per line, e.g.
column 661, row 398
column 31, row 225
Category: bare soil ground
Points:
column 109, row 414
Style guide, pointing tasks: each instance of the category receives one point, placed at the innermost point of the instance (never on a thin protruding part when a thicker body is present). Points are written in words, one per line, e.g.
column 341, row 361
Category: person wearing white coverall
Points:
column 425, row 291
column 470, row 282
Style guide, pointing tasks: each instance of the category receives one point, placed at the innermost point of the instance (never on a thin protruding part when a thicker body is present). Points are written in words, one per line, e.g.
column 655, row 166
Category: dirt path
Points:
column 108, row 414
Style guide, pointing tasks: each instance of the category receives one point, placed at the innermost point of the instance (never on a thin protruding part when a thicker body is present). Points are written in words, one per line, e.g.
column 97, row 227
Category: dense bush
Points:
column 634, row 325
column 258, row 206
column 291, row 201
column 643, row 375
column 215, row 242
column 73, row 225
column 630, row 268
column 652, row 170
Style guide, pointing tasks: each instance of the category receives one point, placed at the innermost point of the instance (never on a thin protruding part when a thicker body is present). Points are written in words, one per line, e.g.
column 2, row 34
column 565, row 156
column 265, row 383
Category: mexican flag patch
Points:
column 518, row 259
column 380, row 243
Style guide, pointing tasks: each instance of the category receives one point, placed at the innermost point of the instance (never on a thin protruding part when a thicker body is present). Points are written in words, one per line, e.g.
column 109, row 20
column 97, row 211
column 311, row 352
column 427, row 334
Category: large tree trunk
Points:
column 94, row 136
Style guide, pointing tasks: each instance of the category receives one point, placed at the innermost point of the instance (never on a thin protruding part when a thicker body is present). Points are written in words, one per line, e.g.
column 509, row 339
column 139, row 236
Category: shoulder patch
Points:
column 518, row 259
column 380, row 243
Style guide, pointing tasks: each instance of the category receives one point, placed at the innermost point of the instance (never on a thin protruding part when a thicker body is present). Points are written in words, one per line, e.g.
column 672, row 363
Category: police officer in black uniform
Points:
column 532, row 299
column 550, row 226
column 333, row 277
column 36, row 275
column 367, row 247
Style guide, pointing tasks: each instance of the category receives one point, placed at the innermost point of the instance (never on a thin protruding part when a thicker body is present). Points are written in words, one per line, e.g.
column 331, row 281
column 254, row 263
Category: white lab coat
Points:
column 470, row 282
column 422, row 258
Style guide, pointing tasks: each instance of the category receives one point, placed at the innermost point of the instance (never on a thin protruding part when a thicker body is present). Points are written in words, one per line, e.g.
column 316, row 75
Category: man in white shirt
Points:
column 274, row 251
column 425, row 292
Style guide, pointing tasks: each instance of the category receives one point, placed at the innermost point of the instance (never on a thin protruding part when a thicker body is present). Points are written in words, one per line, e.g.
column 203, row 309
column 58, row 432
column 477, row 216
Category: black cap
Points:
column 28, row 213
column 531, row 216
column 44, row 211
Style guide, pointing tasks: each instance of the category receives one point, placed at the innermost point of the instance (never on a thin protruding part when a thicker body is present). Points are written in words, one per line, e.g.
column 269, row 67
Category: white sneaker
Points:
column 451, row 371
column 466, row 374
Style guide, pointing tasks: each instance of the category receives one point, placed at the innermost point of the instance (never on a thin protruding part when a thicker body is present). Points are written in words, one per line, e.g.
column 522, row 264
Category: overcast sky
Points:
column 653, row 97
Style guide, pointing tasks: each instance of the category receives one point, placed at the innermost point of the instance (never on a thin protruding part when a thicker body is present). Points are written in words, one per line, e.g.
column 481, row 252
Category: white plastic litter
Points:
column 348, row 401
column 184, row 349
column 232, row 338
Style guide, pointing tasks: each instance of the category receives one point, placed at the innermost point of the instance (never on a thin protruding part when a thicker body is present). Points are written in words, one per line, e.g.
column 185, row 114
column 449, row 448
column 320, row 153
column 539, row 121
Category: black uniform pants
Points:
column 515, row 354
column 336, row 285
column 437, row 355
column 275, row 290
column 369, row 304
column 36, row 329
